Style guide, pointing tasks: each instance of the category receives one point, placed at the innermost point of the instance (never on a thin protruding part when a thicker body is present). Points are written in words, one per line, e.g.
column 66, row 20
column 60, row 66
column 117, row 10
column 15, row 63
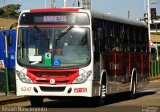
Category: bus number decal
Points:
column 26, row 88
column 80, row 90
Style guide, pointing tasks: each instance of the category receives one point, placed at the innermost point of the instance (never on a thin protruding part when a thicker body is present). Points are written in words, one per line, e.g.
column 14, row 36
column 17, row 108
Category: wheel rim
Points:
column 134, row 88
column 103, row 91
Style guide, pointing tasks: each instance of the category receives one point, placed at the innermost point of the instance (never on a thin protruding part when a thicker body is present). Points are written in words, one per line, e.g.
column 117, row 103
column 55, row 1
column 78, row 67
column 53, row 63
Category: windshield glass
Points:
column 53, row 47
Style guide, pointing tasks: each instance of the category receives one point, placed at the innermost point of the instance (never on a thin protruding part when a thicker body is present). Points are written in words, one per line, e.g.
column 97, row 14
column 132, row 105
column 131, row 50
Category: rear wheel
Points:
column 36, row 101
column 133, row 89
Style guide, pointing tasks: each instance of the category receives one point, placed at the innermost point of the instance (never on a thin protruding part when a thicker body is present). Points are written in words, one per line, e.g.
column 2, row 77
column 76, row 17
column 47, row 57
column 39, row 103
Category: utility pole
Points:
column 65, row 3
column 149, row 19
column 129, row 14
column 86, row 4
column 45, row 4
column 53, row 4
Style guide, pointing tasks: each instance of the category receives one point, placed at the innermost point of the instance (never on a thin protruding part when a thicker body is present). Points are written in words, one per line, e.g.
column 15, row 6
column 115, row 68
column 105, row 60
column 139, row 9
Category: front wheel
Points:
column 103, row 91
column 36, row 101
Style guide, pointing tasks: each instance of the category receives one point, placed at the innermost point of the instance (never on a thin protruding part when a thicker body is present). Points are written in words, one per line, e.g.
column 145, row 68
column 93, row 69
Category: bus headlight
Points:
column 23, row 77
column 82, row 77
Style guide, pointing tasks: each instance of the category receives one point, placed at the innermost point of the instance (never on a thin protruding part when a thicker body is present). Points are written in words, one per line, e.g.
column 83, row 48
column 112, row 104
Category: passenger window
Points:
column 9, row 40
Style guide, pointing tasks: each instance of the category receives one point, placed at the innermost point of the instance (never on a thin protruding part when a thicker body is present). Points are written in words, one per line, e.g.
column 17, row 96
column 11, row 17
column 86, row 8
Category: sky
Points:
column 115, row 7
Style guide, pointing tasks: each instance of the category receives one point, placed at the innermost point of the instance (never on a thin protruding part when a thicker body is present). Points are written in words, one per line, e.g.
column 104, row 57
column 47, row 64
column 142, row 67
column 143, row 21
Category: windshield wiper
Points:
column 35, row 62
column 64, row 32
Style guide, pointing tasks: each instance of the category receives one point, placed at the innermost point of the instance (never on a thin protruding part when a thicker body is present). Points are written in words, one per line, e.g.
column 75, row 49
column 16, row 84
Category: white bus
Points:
column 71, row 52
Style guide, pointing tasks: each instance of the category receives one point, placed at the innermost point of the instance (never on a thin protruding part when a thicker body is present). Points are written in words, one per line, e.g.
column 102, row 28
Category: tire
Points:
column 36, row 101
column 133, row 89
column 103, row 91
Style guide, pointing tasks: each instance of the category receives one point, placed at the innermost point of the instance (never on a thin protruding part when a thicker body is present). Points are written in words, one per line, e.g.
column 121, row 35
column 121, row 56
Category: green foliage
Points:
column 1, row 12
column 158, row 17
column 11, row 10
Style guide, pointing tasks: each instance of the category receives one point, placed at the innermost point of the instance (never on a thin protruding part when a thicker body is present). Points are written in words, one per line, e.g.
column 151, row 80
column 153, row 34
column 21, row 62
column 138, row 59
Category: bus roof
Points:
column 109, row 17
column 94, row 14
column 55, row 10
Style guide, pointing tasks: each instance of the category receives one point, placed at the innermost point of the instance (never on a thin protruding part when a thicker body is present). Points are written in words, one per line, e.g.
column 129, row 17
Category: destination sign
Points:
column 54, row 18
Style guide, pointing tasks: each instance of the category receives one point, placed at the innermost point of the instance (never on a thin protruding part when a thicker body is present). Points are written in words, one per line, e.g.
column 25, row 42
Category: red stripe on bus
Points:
column 45, row 76
column 55, row 10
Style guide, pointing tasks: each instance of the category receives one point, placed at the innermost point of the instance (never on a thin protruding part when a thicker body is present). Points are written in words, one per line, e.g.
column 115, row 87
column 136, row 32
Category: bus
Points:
column 78, row 53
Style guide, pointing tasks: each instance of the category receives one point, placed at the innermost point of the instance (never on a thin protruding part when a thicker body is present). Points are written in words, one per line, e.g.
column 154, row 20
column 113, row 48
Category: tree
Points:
column 1, row 12
column 11, row 10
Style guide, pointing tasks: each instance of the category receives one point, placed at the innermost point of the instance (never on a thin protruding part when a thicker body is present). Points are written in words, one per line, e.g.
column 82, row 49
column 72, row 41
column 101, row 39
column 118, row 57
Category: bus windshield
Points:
column 53, row 47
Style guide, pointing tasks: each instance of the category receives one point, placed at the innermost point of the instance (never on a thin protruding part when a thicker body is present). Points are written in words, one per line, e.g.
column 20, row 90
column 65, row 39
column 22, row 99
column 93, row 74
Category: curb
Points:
column 13, row 100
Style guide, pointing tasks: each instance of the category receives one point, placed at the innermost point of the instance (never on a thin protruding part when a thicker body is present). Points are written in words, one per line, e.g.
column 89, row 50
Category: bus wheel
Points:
column 102, row 96
column 36, row 101
column 133, row 89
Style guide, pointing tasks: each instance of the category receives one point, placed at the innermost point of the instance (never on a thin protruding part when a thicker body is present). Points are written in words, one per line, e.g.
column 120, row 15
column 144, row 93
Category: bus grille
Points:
column 52, row 89
column 45, row 76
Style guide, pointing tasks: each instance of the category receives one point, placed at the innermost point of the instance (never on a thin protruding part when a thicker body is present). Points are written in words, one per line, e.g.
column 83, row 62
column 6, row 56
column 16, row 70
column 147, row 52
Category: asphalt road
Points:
column 148, row 100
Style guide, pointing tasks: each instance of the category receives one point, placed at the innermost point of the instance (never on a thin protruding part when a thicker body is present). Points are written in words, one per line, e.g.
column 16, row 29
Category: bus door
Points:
column 7, row 59
column 7, row 47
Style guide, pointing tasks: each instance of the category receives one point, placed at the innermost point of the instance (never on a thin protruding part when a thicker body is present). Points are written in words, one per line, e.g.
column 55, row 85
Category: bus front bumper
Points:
column 79, row 90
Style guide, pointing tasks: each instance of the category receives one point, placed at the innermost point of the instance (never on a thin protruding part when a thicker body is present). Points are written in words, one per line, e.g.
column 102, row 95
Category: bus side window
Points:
column 131, row 39
column 106, row 37
column 111, row 38
column 96, row 37
column 122, row 35
column 138, row 39
column 143, row 41
column 101, row 38
column 145, row 45
column 125, row 38
column 117, row 37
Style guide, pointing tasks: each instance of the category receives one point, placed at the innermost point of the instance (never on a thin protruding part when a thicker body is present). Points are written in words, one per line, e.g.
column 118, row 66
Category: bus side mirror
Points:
column 9, row 40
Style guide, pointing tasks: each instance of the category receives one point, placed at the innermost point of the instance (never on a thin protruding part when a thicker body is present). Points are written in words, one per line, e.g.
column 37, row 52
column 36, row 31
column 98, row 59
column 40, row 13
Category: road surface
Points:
column 148, row 100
